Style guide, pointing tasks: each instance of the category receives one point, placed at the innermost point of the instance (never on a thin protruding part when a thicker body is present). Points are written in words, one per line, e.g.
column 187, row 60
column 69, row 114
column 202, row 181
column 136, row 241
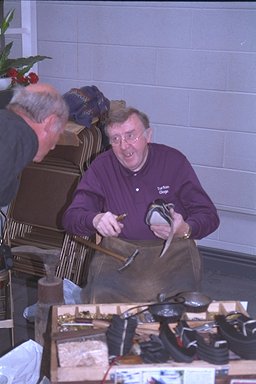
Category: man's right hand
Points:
column 107, row 225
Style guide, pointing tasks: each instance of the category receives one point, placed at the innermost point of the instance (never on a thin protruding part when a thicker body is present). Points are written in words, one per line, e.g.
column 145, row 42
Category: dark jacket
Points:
column 18, row 147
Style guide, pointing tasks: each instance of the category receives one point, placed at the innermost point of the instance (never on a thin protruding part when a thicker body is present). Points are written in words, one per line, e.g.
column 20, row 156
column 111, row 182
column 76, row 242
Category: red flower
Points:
column 18, row 78
column 33, row 78
column 21, row 79
column 12, row 72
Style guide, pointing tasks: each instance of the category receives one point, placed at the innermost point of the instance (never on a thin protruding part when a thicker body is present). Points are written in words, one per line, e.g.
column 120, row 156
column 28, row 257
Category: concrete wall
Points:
column 191, row 66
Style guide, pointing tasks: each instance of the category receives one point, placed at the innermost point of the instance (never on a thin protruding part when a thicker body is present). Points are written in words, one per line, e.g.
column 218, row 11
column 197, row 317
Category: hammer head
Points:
column 129, row 260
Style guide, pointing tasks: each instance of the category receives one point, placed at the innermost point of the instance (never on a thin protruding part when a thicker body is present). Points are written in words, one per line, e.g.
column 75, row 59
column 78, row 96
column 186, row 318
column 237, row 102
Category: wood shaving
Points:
column 83, row 353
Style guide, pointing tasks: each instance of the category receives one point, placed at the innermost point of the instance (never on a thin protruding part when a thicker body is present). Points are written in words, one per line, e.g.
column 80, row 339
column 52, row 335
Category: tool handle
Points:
column 99, row 248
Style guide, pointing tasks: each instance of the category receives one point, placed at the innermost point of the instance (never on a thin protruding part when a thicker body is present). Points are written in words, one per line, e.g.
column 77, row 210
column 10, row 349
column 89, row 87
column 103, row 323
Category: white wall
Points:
column 191, row 66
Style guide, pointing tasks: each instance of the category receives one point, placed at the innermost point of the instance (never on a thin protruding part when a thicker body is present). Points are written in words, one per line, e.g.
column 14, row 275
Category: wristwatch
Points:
column 188, row 233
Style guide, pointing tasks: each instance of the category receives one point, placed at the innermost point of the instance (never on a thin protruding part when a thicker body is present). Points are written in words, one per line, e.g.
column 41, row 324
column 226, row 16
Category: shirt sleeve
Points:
column 86, row 204
column 9, row 179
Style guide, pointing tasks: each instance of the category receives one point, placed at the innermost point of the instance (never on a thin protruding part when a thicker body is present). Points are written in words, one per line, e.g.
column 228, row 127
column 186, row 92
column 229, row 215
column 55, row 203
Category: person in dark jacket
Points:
column 127, row 179
column 30, row 126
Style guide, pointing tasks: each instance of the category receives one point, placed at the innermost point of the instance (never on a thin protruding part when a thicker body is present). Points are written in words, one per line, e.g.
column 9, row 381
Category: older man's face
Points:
column 48, row 138
column 130, row 142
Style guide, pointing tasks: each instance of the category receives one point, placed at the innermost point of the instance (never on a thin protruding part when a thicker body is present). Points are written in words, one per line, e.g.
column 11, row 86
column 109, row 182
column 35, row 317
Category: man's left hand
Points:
column 179, row 227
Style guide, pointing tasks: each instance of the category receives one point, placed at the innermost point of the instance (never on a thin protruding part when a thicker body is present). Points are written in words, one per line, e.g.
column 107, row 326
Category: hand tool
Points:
column 121, row 217
column 127, row 261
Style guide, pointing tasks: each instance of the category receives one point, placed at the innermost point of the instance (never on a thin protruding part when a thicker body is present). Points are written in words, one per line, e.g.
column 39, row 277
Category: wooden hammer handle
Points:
column 97, row 247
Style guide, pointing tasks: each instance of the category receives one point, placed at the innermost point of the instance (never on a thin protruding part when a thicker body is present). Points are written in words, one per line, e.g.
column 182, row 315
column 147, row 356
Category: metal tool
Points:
column 49, row 289
column 121, row 217
column 49, row 257
column 127, row 261
column 205, row 327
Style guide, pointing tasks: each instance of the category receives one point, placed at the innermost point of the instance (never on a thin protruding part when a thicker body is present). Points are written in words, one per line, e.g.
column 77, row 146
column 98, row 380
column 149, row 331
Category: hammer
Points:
column 97, row 247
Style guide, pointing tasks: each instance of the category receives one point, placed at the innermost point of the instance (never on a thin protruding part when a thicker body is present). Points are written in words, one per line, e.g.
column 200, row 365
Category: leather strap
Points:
column 240, row 335
column 177, row 352
column 214, row 351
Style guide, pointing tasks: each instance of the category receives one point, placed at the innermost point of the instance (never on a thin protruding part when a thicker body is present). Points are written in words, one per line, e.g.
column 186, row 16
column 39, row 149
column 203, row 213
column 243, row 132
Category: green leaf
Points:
column 6, row 51
column 4, row 66
column 22, row 64
column 6, row 22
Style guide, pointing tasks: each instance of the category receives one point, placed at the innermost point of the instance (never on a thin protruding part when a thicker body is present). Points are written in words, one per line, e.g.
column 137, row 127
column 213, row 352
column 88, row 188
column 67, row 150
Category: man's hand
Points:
column 107, row 224
column 179, row 227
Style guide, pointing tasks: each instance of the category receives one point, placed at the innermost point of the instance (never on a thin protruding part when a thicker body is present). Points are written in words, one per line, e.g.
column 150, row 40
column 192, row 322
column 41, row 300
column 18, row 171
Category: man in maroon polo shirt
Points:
column 126, row 179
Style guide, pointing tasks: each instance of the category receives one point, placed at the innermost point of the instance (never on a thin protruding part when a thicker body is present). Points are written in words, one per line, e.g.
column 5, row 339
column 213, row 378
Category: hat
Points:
column 86, row 104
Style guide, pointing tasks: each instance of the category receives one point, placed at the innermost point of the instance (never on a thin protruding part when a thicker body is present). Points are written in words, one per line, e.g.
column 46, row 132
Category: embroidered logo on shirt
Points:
column 163, row 190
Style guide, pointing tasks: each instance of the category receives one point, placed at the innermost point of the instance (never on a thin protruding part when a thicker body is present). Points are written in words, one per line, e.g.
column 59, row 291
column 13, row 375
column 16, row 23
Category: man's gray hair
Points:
column 39, row 105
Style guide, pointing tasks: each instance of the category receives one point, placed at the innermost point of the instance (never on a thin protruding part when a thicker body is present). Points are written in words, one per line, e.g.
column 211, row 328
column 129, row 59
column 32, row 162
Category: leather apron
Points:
column 147, row 276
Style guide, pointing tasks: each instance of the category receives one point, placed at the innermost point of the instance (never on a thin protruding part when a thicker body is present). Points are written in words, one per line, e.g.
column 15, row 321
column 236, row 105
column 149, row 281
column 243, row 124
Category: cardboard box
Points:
column 102, row 312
